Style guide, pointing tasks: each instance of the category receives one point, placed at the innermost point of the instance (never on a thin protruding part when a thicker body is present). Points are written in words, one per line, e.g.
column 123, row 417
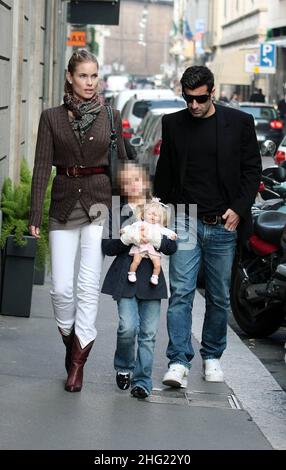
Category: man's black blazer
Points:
column 238, row 161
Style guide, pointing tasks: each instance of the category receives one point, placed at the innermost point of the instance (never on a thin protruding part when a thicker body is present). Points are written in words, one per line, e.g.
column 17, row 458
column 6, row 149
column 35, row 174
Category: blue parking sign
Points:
column 267, row 55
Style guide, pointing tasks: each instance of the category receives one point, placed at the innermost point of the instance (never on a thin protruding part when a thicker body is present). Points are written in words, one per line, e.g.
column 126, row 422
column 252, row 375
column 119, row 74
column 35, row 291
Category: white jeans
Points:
column 80, row 312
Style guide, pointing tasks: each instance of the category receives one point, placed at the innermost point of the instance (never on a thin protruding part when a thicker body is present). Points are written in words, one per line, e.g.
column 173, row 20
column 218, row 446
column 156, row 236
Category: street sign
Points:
column 200, row 25
column 267, row 62
column 93, row 12
column 77, row 38
column 251, row 61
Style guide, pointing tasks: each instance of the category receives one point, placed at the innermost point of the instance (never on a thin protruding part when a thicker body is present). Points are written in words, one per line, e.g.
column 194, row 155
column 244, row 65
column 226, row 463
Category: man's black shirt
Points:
column 201, row 185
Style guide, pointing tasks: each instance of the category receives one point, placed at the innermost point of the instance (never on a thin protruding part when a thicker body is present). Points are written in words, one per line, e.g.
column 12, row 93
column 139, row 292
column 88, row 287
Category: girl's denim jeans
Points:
column 137, row 317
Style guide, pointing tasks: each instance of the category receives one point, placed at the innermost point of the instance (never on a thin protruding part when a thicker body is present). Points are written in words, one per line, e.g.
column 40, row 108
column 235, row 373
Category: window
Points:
column 260, row 112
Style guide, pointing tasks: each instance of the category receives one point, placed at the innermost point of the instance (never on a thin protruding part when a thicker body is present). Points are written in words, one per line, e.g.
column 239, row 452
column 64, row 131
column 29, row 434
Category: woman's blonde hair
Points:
column 79, row 56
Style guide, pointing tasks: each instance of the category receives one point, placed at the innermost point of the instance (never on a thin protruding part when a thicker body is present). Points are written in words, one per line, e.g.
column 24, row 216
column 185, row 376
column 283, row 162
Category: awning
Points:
column 279, row 42
column 229, row 68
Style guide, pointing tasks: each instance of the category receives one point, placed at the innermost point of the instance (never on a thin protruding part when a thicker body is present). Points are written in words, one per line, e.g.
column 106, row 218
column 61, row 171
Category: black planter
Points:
column 39, row 276
column 17, row 277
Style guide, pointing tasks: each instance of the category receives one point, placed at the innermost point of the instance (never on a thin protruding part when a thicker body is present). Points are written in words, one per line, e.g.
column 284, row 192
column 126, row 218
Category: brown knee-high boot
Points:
column 78, row 359
column 68, row 342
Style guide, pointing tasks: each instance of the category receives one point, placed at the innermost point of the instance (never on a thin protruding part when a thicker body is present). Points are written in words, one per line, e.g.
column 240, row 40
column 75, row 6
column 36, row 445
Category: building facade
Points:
column 236, row 29
column 140, row 43
column 276, row 34
column 31, row 75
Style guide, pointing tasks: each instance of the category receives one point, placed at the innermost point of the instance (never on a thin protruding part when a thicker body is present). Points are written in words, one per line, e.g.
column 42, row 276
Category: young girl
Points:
column 153, row 218
column 138, row 303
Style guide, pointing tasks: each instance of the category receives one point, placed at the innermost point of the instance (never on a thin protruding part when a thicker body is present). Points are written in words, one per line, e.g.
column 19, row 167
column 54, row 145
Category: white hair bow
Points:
column 158, row 200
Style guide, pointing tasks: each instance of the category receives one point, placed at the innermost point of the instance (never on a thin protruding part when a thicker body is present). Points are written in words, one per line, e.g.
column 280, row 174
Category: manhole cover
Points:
column 194, row 398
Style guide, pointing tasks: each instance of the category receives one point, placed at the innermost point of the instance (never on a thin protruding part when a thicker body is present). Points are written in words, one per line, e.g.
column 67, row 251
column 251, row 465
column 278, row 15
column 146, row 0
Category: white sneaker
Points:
column 154, row 279
column 132, row 277
column 212, row 371
column 176, row 376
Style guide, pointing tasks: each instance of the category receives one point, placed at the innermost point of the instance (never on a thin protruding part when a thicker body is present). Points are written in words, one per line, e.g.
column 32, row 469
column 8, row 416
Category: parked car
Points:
column 141, row 94
column 114, row 84
column 135, row 109
column 268, row 126
column 280, row 155
column 141, row 141
column 149, row 138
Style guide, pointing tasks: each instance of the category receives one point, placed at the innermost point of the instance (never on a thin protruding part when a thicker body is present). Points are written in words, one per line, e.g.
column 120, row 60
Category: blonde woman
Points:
column 75, row 138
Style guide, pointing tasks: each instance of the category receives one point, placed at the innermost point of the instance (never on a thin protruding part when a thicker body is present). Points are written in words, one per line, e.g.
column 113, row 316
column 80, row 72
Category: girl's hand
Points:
column 143, row 238
column 34, row 231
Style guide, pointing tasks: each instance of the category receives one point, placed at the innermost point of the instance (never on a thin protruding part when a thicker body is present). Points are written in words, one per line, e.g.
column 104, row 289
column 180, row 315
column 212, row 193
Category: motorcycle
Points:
column 273, row 179
column 273, row 183
column 258, row 285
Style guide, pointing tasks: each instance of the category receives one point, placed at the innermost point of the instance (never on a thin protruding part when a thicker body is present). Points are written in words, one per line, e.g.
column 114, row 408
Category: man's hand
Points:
column 232, row 220
column 34, row 231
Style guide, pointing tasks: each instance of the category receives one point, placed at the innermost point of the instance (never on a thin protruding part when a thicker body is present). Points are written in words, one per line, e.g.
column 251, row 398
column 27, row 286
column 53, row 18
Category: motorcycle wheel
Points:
column 256, row 320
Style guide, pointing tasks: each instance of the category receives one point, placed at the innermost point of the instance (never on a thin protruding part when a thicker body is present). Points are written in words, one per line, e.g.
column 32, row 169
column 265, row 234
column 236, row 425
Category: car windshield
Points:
column 117, row 82
column 142, row 107
column 262, row 112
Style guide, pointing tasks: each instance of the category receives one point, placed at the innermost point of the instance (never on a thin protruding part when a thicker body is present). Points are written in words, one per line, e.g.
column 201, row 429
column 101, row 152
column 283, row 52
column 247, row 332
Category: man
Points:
column 223, row 97
column 257, row 96
column 209, row 157
column 282, row 108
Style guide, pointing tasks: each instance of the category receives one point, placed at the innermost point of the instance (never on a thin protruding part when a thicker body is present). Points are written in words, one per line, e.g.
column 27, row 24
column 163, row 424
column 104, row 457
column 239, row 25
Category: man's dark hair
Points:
column 196, row 76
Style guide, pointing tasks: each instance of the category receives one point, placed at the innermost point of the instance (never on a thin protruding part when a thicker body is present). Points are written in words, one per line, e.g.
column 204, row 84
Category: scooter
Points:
column 273, row 183
column 258, row 286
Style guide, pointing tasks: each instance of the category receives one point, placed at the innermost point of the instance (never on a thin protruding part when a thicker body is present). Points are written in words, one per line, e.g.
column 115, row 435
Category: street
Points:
column 248, row 409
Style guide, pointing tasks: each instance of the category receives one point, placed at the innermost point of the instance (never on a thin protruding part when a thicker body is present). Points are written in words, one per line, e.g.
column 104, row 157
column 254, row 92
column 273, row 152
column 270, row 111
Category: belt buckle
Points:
column 210, row 220
column 74, row 173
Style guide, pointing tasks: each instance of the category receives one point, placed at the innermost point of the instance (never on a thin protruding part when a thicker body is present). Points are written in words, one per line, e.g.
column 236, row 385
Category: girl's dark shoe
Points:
column 139, row 392
column 123, row 380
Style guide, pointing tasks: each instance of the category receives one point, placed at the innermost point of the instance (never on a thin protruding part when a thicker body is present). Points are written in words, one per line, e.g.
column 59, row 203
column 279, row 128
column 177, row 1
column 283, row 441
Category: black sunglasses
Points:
column 198, row 98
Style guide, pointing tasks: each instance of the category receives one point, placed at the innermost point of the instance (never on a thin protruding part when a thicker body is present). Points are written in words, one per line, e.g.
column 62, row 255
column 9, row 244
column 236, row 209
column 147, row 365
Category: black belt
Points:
column 213, row 220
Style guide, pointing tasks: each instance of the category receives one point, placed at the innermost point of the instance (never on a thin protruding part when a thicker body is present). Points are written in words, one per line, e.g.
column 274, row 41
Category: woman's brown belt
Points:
column 76, row 171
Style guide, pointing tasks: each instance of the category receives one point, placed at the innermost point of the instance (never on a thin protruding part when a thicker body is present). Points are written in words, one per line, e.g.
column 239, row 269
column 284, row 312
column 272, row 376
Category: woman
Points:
column 75, row 138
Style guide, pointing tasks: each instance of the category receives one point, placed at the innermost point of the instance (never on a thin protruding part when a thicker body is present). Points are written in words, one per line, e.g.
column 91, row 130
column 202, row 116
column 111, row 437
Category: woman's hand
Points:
column 34, row 231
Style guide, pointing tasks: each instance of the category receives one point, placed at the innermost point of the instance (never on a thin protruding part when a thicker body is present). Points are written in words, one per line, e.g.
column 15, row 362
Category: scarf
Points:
column 85, row 112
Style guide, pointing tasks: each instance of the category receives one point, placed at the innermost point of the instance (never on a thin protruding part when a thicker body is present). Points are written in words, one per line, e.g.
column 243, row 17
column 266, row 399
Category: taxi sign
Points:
column 77, row 38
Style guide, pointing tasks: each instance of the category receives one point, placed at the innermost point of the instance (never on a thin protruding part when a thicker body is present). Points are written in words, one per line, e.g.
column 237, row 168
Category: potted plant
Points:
column 19, row 249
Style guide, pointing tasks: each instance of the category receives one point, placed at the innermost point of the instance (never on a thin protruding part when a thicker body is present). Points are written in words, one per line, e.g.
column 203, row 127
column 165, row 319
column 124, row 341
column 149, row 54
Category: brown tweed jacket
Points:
column 58, row 145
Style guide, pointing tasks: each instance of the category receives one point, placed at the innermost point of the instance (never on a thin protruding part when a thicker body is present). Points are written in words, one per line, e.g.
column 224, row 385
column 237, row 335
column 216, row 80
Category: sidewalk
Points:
column 36, row 412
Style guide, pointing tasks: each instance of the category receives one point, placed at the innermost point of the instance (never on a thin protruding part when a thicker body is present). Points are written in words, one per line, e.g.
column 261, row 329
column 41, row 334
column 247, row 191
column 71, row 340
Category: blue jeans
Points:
column 137, row 317
column 216, row 247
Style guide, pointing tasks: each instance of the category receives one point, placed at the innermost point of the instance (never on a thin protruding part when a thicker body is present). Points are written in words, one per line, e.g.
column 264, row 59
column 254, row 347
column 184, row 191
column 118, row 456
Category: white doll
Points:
column 151, row 227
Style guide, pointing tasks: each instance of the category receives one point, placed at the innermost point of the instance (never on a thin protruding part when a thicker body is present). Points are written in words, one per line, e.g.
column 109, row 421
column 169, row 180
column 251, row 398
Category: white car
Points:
column 115, row 84
column 141, row 93
column 135, row 109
